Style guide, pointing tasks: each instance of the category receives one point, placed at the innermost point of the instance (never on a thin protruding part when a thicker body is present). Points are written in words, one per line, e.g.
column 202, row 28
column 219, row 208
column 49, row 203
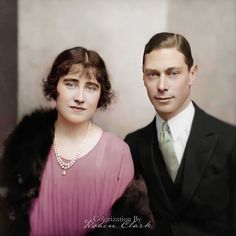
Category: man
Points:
column 187, row 157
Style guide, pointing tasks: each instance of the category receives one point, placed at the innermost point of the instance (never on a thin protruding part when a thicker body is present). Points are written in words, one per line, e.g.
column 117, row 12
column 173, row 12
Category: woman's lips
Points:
column 78, row 108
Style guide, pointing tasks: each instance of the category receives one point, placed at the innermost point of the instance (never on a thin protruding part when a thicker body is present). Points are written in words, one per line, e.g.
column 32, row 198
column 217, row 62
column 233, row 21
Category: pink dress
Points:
column 73, row 204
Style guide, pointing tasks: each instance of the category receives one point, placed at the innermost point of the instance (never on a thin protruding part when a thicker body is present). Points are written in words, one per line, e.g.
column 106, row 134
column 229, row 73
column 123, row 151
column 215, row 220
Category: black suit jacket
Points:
column 206, row 205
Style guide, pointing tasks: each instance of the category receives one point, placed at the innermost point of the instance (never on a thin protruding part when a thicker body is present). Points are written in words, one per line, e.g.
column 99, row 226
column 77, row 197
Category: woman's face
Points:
column 77, row 98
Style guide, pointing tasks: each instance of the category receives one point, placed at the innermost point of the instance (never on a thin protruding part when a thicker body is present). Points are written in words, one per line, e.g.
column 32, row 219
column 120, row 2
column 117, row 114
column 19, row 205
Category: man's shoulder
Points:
column 143, row 131
column 215, row 124
column 221, row 127
column 220, row 123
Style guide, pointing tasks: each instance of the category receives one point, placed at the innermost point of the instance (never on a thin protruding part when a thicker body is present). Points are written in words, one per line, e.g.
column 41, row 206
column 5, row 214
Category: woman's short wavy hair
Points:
column 89, row 64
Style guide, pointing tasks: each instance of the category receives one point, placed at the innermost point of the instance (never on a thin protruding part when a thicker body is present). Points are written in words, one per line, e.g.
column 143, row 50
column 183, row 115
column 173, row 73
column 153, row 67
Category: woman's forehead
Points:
column 80, row 70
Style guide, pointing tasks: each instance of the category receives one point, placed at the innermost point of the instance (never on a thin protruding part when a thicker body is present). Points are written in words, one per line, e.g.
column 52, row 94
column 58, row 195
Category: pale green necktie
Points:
column 168, row 151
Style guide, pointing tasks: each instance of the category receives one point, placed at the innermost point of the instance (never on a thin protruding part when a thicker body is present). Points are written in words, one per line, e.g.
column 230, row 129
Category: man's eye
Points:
column 151, row 75
column 173, row 74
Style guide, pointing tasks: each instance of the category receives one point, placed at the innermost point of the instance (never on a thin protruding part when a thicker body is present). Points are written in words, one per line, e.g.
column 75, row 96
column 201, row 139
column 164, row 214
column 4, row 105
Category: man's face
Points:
column 168, row 81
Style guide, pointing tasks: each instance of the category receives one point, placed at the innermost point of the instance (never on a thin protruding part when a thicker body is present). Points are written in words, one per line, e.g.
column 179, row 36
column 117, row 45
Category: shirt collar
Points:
column 180, row 123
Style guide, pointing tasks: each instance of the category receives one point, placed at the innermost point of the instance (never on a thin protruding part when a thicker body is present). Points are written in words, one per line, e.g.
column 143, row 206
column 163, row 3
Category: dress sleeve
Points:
column 131, row 140
column 125, row 174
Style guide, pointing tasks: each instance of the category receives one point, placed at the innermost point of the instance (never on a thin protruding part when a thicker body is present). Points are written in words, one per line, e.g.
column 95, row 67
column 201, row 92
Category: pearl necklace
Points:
column 66, row 166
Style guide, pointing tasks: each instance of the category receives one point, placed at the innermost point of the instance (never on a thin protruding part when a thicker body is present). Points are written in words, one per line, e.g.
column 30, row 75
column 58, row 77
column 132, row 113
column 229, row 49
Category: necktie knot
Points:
column 165, row 127
column 165, row 133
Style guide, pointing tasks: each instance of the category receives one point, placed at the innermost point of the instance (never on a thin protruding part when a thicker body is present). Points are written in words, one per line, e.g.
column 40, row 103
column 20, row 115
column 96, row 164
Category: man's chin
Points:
column 164, row 112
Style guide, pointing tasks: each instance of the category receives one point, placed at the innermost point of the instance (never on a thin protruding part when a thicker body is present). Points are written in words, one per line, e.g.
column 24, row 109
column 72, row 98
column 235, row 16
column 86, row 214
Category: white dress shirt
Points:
column 180, row 126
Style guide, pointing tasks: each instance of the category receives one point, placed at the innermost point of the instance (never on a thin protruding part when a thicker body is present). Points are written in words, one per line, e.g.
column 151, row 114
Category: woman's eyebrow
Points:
column 70, row 79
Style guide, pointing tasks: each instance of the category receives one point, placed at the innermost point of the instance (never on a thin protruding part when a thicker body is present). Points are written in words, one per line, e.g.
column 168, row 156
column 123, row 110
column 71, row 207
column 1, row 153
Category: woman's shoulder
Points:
column 114, row 140
column 37, row 120
column 115, row 147
column 31, row 133
column 39, row 116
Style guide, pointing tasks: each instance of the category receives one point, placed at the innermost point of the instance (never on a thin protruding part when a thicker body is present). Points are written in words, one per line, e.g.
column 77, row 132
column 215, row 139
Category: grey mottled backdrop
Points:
column 118, row 30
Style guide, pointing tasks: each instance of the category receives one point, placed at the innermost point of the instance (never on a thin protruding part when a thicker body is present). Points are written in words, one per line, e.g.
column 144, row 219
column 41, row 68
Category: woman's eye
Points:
column 70, row 84
column 91, row 88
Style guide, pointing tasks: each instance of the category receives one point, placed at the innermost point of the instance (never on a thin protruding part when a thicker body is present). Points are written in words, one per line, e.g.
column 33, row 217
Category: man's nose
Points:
column 162, row 84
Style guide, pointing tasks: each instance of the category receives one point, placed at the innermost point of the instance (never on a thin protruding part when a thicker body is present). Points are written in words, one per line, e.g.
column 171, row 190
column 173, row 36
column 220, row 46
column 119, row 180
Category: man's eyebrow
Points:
column 173, row 68
column 157, row 71
column 151, row 70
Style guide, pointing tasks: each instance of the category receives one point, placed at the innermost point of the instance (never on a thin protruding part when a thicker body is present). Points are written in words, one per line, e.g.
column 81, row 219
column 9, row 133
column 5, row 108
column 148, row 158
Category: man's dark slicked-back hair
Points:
column 170, row 40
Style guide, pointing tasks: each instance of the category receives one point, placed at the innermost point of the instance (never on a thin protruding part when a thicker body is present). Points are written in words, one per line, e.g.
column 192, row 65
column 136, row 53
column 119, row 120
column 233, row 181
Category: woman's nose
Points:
column 79, row 96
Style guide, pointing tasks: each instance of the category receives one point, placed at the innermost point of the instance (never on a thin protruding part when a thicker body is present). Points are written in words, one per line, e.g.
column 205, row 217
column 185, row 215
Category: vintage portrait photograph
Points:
column 118, row 118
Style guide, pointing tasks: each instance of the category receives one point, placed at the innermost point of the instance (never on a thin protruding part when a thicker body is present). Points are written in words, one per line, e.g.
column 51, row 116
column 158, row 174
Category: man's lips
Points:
column 163, row 98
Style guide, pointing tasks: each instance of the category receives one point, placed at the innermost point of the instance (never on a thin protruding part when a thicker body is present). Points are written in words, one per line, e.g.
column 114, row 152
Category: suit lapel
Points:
column 148, row 147
column 199, row 149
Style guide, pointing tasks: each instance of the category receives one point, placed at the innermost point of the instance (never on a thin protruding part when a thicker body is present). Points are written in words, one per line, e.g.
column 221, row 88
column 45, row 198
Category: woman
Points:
column 62, row 171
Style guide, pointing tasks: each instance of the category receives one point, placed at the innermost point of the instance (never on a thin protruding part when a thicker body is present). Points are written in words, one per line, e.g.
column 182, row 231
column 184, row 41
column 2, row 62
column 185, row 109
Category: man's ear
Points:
column 193, row 72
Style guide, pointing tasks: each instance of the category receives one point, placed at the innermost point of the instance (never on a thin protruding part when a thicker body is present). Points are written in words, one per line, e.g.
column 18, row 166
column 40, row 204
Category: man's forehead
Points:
column 164, row 58
column 168, row 53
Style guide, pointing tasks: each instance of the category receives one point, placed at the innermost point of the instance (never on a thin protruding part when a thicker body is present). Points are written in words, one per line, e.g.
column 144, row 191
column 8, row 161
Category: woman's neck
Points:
column 68, row 130
column 69, row 137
